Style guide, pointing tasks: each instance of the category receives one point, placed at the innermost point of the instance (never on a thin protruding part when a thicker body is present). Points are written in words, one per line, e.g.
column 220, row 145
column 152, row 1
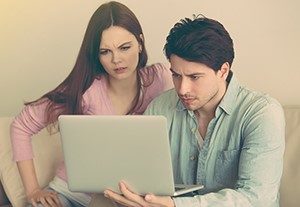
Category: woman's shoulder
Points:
column 97, row 83
column 154, row 68
column 159, row 75
column 157, row 71
column 95, row 90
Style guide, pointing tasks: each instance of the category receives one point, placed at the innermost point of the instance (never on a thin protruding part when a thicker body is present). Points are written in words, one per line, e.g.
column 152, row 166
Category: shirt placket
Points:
column 203, row 154
column 194, row 148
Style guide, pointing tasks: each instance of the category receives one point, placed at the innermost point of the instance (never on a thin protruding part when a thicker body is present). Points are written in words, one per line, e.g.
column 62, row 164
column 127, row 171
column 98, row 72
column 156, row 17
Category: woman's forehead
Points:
column 115, row 36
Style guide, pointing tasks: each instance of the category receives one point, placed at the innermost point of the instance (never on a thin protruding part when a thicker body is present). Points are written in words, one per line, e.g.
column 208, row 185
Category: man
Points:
column 222, row 135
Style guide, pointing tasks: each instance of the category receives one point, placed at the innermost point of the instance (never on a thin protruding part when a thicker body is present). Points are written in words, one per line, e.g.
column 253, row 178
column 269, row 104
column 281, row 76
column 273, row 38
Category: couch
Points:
column 48, row 153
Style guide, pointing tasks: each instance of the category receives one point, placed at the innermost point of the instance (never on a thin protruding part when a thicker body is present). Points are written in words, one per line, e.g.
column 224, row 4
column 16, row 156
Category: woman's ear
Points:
column 140, row 43
column 142, row 37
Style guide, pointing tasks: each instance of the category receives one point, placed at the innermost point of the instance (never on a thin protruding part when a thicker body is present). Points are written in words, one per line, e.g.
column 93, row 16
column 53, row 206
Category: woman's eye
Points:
column 125, row 48
column 103, row 52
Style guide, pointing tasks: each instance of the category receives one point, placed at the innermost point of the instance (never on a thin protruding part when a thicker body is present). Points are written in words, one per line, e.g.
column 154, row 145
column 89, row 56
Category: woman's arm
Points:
column 28, row 176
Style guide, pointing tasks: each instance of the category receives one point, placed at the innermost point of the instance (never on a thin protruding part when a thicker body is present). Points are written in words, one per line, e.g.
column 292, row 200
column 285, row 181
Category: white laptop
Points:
column 100, row 151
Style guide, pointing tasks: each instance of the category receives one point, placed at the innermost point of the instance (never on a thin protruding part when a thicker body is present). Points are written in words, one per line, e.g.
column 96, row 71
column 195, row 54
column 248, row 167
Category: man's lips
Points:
column 187, row 100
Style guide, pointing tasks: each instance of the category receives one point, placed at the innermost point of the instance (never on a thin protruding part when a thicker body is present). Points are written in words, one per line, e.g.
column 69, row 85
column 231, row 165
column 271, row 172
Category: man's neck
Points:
column 207, row 112
column 209, row 109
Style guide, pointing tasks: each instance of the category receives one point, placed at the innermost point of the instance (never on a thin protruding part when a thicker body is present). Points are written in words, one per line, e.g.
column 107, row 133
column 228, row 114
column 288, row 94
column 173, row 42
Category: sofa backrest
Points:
column 48, row 154
column 290, row 183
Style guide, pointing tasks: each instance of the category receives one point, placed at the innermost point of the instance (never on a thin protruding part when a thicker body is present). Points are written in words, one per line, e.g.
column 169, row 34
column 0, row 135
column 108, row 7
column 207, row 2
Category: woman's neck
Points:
column 123, row 87
column 122, row 93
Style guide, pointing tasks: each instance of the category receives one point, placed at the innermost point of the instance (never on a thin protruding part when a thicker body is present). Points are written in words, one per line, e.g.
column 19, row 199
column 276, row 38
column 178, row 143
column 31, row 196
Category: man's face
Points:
column 198, row 86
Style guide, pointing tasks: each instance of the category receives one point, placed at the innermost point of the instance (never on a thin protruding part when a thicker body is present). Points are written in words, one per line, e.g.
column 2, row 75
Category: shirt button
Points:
column 192, row 157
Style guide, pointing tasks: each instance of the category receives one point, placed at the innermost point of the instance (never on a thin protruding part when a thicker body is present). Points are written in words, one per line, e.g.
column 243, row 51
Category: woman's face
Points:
column 119, row 52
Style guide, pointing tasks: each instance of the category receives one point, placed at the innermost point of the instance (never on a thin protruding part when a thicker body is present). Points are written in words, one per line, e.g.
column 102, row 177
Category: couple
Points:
column 222, row 135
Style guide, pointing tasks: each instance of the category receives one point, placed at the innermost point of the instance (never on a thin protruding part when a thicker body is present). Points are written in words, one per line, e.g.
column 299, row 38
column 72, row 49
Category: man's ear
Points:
column 224, row 70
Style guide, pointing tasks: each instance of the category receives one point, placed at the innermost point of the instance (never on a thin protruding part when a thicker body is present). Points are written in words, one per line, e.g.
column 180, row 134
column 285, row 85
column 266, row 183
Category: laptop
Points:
column 100, row 151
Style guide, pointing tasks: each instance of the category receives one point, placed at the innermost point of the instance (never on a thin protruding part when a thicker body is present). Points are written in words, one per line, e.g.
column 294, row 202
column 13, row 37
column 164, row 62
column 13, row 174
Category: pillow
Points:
column 48, row 154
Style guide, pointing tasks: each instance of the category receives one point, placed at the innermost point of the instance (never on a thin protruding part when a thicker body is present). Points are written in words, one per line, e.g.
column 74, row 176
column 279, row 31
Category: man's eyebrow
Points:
column 192, row 74
column 172, row 70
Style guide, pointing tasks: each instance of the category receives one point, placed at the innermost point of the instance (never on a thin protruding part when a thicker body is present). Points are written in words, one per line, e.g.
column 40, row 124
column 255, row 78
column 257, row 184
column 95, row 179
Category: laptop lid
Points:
column 100, row 151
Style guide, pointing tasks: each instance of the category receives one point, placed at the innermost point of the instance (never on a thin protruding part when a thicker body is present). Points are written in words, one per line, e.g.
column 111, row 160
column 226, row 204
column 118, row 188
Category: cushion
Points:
column 48, row 154
column 290, row 184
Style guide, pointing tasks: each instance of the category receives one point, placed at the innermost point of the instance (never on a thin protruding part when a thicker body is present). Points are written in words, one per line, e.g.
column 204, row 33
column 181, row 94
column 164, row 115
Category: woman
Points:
column 109, row 77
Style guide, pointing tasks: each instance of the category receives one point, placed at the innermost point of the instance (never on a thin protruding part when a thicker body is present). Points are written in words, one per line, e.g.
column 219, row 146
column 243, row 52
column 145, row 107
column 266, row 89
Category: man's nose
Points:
column 184, row 87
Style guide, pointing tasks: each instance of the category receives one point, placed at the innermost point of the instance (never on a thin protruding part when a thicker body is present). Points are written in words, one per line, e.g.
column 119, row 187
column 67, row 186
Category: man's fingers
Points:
column 161, row 200
column 120, row 199
column 131, row 195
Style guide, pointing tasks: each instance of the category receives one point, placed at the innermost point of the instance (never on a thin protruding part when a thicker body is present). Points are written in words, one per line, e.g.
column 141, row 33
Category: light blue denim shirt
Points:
column 241, row 160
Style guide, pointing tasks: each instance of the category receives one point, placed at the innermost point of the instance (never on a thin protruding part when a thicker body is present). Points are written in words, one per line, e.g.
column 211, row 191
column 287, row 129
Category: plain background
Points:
column 40, row 40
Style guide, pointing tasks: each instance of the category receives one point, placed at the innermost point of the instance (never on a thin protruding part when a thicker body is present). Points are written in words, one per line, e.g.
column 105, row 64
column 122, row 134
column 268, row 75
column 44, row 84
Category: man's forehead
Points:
column 180, row 65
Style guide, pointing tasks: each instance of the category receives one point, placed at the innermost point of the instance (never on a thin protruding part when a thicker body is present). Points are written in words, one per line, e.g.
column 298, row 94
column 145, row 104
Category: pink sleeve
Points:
column 29, row 122
column 166, row 77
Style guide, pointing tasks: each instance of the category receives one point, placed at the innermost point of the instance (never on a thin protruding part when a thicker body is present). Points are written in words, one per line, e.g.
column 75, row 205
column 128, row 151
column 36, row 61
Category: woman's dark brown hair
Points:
column 66, row 98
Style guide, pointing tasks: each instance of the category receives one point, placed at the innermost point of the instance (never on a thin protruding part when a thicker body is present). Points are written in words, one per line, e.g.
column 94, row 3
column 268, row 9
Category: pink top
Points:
column 95, row 101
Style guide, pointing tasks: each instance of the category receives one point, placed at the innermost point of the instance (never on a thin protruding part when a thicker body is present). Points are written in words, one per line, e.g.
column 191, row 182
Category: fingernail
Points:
column 122, row 184
column 148, row 197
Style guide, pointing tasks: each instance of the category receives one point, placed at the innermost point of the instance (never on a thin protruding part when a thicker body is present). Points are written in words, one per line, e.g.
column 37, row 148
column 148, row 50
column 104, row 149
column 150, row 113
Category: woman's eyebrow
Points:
column 125, row 43
column 122, row 45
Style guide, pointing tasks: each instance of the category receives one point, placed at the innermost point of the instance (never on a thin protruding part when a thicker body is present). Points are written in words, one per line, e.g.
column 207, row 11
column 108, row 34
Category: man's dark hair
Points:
column 201, row 40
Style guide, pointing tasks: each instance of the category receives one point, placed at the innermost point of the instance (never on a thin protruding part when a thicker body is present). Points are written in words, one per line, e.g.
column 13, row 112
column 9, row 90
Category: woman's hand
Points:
column 45, row 197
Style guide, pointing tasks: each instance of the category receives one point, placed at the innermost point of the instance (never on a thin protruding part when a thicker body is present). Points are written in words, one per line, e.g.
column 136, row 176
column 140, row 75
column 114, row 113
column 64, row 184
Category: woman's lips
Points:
column 120, row 70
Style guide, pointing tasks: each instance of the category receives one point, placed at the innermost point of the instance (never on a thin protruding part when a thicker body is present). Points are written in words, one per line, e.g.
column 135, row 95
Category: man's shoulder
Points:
column 167, row 98
column 257, row 97
column 164, row 103
column 257, row 101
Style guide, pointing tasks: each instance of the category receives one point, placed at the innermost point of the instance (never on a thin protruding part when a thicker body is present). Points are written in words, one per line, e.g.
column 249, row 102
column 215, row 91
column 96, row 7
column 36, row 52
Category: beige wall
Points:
column 39, row 41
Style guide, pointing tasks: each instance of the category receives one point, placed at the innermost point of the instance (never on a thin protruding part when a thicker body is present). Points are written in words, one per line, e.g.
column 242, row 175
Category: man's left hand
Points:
column 131, row 199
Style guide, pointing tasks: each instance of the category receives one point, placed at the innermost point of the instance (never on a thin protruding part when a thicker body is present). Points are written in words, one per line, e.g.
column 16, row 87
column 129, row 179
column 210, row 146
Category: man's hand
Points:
column 47, row 198
column 133, row 200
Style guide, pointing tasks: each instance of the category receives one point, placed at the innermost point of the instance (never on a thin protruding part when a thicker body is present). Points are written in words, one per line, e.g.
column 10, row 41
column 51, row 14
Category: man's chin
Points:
column 189, row 107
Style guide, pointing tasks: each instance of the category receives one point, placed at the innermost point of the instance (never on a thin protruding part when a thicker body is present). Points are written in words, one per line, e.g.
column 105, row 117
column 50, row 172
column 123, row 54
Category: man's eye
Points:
column 194, row 77
column 124, row 48
column 175, row 75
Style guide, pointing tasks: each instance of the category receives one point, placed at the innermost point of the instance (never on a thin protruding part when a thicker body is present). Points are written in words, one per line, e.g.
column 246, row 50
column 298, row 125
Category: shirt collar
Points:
column 229, row 99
